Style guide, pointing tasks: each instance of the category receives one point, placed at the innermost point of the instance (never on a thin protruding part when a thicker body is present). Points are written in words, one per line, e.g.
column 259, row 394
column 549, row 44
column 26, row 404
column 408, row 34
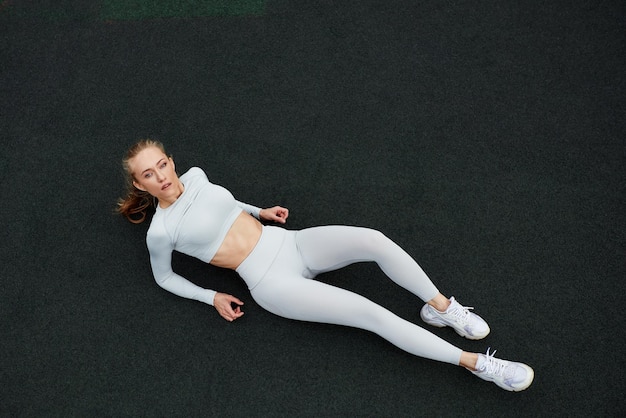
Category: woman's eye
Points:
column 148, row 175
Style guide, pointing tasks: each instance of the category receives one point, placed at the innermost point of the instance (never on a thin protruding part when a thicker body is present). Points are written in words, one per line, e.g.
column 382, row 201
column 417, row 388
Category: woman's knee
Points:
column 373, row 239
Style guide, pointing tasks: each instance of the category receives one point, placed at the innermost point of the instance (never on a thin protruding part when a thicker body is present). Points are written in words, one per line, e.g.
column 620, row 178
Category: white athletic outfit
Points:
column 279, row 270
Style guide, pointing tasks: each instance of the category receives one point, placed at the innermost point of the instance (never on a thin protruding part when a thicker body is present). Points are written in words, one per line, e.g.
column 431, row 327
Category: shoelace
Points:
column 461, row 312
column 492, row 365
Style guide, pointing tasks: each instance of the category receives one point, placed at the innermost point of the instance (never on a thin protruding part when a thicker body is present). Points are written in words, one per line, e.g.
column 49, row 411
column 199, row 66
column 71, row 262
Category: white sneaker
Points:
column 508, row 375
column 464, row 322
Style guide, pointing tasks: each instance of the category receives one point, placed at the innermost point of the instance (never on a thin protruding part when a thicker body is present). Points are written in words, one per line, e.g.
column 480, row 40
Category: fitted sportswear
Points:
column 281, row 268
column 195, row 224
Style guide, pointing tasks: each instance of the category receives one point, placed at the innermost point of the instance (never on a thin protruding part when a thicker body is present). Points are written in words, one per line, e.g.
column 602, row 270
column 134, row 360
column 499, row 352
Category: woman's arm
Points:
column 275, row 214
column 161, row 262
column 251, row 209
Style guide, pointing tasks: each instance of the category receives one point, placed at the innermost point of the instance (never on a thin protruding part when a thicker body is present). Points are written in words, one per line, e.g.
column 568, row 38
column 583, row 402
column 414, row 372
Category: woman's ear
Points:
column 137, row 185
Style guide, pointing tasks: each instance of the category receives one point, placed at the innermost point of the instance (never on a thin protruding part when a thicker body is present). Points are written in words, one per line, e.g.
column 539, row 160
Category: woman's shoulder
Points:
column 157, row 225
column 158, row 236
column 194, row 173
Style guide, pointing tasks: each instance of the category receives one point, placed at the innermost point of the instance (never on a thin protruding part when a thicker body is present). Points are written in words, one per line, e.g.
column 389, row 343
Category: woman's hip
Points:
column 276, row 254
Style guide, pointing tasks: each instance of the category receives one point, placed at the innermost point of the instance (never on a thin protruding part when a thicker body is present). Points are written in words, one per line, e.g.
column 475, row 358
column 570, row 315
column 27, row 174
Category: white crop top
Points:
column 195, row 224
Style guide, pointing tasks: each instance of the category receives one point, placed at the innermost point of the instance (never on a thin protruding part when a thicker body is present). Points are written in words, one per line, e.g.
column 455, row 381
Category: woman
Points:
column 201, row 219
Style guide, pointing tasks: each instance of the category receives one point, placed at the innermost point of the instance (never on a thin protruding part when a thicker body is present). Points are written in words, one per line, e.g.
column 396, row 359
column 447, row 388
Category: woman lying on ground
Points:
column 203, row 220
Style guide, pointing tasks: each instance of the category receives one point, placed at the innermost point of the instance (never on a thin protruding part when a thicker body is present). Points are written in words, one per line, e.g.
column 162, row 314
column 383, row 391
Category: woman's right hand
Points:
column 223, row 304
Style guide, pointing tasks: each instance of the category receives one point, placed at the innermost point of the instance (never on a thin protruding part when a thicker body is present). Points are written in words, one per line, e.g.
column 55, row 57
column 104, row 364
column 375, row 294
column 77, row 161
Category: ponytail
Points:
column 135, row 205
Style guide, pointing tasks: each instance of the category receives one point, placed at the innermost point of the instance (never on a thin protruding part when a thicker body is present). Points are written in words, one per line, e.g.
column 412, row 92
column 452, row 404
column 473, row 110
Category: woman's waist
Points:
column 240, row 240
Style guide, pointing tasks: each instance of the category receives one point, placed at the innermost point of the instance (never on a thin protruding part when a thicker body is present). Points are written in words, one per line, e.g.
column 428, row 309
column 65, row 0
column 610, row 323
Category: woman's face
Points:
column 155, row 173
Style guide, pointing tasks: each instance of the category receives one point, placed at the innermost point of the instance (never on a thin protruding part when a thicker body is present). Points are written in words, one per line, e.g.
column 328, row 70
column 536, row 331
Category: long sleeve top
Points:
column 196, row 224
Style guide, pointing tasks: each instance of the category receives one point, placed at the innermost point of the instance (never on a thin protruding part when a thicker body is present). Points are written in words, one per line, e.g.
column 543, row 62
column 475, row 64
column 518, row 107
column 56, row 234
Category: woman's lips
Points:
column 165, row 186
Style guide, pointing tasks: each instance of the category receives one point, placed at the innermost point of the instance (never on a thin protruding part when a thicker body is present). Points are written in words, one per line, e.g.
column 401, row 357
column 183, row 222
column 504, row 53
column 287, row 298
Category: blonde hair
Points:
column 136, row 203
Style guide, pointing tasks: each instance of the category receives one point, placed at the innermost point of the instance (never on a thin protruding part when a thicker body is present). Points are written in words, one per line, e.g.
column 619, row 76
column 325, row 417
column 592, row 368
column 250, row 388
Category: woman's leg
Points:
column 328, row 248
column 309, row 300
column 285, row 292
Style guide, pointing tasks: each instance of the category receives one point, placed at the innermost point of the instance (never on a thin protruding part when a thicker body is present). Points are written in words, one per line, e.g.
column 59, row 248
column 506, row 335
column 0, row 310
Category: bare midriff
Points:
column 240, row 240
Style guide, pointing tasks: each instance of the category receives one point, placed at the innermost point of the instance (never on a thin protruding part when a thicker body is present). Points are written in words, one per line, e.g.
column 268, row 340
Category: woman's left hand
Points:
column 275, row 214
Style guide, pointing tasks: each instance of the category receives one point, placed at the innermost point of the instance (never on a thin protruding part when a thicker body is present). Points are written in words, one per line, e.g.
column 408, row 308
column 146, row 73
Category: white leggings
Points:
column 279, row 270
